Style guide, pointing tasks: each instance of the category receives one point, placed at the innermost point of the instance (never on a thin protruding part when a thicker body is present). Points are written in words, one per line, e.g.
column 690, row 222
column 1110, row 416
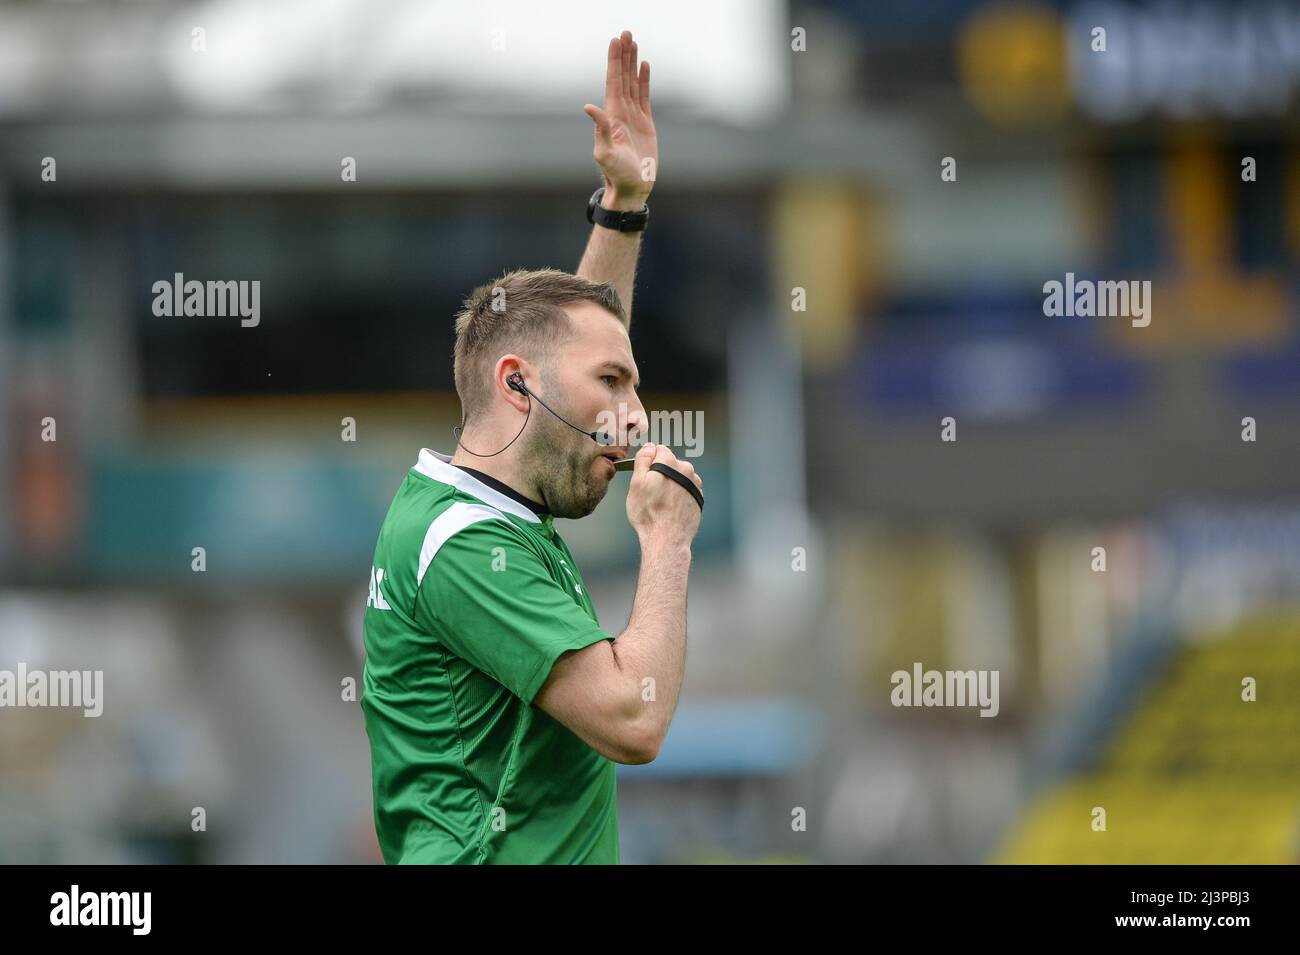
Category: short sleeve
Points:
column 489, row 598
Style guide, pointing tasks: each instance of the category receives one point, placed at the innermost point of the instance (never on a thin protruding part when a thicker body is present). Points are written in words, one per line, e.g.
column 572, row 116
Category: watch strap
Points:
column 617, row 219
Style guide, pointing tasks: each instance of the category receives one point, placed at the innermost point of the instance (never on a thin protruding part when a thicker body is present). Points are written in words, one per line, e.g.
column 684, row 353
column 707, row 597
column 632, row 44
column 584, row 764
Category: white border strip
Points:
column 436, row 465
column 455, row 518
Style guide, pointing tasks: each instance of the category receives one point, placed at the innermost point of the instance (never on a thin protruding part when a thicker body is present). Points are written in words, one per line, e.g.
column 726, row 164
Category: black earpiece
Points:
column 515, row 382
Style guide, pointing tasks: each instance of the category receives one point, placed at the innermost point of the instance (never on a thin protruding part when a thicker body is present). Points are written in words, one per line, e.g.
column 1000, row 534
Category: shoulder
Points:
column 466, row 527
column 424, row 517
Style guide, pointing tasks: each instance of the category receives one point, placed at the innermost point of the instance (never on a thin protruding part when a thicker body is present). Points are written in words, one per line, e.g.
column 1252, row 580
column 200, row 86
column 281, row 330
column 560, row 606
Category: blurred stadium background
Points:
column 817, row 169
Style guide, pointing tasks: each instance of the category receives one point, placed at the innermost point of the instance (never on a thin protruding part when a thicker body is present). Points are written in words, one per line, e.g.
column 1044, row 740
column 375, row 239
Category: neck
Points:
column 505, row 467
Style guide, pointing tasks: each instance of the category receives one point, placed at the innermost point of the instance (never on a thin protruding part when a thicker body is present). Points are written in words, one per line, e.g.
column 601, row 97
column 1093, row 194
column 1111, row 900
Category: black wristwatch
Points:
column 613, row 218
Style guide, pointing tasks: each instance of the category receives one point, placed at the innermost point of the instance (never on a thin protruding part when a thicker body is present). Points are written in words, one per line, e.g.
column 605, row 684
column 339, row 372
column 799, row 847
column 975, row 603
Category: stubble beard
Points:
column 560, row 459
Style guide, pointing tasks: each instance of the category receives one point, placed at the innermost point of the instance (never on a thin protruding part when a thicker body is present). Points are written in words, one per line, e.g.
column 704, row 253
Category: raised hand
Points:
column 627, row 149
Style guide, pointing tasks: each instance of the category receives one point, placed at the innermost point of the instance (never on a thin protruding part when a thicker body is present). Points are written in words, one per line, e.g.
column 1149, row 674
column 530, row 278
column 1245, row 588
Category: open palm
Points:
column 627, row 150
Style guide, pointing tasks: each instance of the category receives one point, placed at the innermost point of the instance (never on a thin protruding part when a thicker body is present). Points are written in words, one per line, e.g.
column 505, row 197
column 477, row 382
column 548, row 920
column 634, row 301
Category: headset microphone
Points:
column 516, row 383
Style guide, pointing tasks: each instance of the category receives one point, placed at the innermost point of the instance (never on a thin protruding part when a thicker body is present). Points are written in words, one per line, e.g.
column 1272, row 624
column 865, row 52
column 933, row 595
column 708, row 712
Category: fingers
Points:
column 613, row 72
column 643, row 84
column 633, row 86
column 625, row 50
column 604, row 126
column 644, row 458
column 664, row 455
column 626, row 77
column 684, row 466
column 656, row 454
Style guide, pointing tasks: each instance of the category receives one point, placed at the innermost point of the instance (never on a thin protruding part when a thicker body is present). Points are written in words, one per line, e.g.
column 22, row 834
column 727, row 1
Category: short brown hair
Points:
column 521, row 311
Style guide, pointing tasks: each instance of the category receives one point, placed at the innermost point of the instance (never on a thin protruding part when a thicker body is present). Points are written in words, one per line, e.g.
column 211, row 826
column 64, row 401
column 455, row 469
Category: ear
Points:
column 506, row 366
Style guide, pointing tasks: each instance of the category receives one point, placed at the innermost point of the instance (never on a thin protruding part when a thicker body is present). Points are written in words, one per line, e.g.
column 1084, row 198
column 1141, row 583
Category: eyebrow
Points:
column 623, row 370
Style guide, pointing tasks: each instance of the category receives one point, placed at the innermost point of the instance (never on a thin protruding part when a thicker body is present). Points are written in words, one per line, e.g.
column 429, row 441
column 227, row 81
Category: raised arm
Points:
column 627, row 153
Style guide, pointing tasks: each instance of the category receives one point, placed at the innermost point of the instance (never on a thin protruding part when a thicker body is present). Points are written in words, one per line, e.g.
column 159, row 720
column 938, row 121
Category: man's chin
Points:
column 576, row 512
column 575, row 509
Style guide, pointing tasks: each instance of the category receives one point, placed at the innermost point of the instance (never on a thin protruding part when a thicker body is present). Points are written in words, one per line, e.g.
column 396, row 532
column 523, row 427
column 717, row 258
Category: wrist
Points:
column 620, row 200
column 670, row 547
column 621, row 217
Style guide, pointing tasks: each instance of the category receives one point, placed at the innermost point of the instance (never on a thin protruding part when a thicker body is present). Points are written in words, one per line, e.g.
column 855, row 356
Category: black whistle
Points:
column 627, row 464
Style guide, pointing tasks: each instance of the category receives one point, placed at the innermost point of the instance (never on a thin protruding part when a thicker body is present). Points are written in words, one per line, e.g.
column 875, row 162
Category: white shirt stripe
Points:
column 455, row 518
column 438, row 466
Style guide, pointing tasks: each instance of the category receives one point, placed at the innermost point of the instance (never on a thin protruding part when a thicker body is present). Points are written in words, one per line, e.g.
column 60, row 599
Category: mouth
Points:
column 613, row 455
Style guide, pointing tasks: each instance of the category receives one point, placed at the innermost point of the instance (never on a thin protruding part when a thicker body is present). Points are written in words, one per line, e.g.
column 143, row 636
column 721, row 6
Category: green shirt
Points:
column 473, row 597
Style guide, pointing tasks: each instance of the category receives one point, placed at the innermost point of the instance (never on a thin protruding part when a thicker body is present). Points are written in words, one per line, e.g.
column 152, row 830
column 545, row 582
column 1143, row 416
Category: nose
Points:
column 638, row 423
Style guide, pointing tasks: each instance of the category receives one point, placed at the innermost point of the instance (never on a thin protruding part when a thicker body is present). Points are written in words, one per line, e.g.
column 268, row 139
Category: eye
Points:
column 611, row 380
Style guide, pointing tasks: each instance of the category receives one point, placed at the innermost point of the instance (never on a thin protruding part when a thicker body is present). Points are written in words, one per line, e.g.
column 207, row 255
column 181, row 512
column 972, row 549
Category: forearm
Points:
column 611, row 256
column 654, row 644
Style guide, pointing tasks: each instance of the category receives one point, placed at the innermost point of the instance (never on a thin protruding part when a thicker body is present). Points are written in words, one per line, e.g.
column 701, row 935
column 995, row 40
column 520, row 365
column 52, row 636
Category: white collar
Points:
column 436, row 465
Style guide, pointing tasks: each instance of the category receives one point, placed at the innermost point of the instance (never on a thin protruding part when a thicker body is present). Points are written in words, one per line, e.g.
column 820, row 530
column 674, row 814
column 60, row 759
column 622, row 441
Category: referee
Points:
column 495, row 704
